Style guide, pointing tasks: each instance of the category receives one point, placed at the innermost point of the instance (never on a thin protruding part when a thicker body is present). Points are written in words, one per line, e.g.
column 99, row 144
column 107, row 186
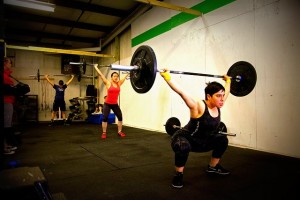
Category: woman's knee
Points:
column 220, row 147
column 180, row 144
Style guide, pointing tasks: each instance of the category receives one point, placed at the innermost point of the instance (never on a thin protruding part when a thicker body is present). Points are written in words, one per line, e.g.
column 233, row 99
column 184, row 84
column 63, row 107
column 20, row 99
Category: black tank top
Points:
column 204, row 125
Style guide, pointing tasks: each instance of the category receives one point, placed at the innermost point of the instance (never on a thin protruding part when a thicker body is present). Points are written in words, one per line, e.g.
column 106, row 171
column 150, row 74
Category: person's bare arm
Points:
column 71, row 79
column 103, row 78
column 121, row 81
column 187, row 98
column 227, row 80
column 47, row 78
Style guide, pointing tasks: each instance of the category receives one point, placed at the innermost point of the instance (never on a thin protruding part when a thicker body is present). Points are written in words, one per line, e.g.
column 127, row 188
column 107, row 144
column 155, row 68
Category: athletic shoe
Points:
column 218, row 169
column 65, row 123
column 8, row 151
column 177, row 180
column 121, row 134
column 13, row 148
column 51, row 123
column 103, row 136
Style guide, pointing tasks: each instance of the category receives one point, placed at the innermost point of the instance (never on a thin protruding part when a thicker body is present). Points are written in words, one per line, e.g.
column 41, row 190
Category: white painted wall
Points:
column 264, row 33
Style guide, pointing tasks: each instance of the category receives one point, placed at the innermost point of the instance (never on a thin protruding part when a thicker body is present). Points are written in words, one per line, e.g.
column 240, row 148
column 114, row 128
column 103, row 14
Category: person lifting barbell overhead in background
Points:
column 59, row 99
column 111, row 100
column 199, row 135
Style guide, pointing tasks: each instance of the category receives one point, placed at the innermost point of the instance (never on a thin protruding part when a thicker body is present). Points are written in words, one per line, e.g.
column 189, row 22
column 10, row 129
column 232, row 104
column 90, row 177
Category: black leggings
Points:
column 182, row 143
column 115, row 108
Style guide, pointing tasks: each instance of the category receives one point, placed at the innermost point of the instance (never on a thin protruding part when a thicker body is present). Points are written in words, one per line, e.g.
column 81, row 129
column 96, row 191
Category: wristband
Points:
column 166, row 75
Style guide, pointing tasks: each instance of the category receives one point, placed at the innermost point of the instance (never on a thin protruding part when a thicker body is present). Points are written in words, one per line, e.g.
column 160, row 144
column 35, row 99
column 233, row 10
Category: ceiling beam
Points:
column 171, row 6
column 21, row 32
column 90, row 7
column 18, row 42
column 20, row 16
column 62, row 51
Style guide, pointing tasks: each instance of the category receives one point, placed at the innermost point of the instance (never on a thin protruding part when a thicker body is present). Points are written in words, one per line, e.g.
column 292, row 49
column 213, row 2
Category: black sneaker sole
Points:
column 177, row 186
column 218, row 173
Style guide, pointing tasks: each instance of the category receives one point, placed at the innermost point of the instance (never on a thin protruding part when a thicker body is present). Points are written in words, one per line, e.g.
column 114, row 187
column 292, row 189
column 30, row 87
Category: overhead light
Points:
column 33, row 4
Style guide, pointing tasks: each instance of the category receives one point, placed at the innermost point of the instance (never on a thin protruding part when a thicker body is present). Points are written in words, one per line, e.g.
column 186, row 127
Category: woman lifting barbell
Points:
column 111, row 101
column 197, row 135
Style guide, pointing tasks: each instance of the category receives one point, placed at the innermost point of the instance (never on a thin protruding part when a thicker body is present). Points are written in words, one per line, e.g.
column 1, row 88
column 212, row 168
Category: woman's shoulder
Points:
column 201, row 104
column 199, row 101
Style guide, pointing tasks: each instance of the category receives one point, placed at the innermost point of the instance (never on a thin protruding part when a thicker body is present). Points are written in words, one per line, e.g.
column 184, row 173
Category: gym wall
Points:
column 264, row 33
column 26, row 64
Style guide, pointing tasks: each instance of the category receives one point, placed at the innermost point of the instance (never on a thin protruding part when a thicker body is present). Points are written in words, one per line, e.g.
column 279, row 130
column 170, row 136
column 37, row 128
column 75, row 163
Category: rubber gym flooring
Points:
column 78, row 165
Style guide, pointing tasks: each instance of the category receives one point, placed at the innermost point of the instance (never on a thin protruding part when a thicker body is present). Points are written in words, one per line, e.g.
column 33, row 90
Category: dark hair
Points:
column 61, row 82
column 212, row 88
column 114, row 73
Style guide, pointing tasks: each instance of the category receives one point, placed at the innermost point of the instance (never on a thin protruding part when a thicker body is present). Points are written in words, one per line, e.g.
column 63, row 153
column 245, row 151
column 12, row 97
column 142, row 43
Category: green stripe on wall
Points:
column 181, row 18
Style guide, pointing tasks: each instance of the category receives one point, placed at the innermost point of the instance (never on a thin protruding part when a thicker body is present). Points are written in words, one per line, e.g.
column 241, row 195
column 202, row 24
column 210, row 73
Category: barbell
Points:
column 79, row 76
column 143, row 69
column 173, row 124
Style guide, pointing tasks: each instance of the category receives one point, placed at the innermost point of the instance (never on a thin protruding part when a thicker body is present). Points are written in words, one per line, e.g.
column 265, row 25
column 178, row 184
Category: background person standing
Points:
column 59, row 99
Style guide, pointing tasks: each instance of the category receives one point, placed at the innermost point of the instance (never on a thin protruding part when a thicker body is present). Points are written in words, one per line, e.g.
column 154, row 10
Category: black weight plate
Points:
column 84, row 66
column 170, row 129
column 38, row 75
column 246, row 83
column 143, row 78
column 222, row 127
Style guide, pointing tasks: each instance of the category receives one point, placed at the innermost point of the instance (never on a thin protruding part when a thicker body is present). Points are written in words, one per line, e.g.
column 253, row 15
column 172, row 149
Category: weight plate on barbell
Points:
column 170, row 129
column 243, row 78
column 222, row 127
column 143, row 78
column 38, row 75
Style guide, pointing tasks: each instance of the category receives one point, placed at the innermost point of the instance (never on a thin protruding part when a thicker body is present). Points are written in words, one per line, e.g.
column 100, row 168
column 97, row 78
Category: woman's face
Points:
column 7, row 63
column 217, row 99
column 115, row 77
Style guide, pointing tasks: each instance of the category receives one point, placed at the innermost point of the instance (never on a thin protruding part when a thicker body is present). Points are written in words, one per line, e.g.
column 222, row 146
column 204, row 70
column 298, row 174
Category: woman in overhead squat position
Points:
column 200, row 134
column 111, row 101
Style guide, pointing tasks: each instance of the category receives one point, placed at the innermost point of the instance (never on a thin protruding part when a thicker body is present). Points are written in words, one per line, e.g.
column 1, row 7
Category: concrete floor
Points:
column 78, row 165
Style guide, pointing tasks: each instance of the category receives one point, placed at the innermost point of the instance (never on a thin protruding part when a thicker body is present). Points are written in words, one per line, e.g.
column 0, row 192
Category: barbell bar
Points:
column 220, row 132
column 130, row 68
column 173, row 124
column 143, row 69
column 79, row 76
column 82, row 63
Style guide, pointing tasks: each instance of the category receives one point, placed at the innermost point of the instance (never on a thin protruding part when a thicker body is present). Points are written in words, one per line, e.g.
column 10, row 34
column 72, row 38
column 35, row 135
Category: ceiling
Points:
column 74, row 24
